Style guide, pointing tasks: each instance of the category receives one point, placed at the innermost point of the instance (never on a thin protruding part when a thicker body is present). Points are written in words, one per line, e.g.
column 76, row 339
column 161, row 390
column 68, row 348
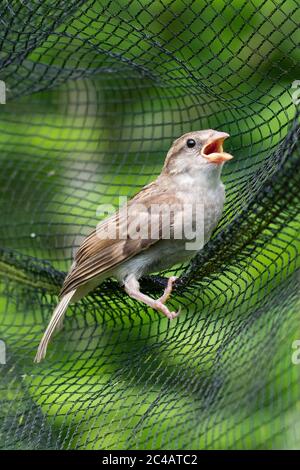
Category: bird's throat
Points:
column 208, row 178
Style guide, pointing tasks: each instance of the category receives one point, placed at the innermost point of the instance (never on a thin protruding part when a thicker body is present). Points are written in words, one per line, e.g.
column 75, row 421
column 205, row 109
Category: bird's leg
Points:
column 168, row 289
column 132, row 288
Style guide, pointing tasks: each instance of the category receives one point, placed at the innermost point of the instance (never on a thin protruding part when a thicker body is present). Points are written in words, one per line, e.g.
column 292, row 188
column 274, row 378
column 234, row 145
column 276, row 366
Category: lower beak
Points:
column 213, row 150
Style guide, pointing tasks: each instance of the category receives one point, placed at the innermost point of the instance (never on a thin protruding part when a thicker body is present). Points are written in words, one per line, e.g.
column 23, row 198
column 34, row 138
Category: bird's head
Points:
column 197, row 151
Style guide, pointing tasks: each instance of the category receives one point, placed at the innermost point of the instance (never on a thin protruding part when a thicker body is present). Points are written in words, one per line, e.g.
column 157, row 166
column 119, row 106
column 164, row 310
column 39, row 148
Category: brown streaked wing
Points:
column 96, row 255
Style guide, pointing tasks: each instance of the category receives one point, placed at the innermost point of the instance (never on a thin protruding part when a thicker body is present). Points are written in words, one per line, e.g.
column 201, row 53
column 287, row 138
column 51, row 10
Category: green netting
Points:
column 96, row 92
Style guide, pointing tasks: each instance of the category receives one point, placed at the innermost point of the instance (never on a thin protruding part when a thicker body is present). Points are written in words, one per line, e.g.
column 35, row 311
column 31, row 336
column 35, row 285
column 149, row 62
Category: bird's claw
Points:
column 168, row 290
column 173, row 315
column 160, row 303
column 164, row 309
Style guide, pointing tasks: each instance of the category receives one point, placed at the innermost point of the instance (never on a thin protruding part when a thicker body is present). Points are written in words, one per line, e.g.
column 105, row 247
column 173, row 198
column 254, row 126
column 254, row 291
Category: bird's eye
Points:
column 191, row 143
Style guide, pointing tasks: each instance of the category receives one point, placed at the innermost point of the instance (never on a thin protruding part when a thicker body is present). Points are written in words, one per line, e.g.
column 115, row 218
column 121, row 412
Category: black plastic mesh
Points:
column 97, row 91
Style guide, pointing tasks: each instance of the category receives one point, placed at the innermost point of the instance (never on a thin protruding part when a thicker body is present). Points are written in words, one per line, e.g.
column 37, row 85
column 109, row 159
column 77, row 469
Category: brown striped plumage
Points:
column 190, row 175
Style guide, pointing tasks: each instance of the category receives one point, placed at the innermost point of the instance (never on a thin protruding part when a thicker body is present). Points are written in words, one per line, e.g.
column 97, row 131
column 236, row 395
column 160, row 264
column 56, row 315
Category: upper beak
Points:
column 213, row 150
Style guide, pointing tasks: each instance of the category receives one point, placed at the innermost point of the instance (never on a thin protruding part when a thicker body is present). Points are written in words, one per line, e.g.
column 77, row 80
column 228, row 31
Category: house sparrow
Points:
column 124, row 245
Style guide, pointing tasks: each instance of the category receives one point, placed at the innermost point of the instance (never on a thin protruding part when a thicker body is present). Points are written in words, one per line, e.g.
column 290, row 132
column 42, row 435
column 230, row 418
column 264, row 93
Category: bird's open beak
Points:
column 213, row 150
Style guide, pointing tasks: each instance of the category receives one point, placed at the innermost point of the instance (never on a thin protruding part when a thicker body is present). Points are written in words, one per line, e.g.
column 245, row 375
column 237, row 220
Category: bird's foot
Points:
column 132, row 288
column 168, row 290
column 164, row 310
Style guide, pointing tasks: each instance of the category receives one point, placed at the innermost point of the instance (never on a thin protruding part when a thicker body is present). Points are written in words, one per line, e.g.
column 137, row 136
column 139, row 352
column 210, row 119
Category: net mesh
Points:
column 96, row 92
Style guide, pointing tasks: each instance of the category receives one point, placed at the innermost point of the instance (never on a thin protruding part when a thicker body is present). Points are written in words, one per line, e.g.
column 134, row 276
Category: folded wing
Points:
column 101, row 251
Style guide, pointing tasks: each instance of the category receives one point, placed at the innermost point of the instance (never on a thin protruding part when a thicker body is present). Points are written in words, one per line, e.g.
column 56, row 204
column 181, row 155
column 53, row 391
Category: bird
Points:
column 156, row 229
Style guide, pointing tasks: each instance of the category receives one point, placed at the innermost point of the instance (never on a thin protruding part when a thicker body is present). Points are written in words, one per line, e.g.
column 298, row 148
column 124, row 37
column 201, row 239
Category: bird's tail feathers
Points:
column 54, row 325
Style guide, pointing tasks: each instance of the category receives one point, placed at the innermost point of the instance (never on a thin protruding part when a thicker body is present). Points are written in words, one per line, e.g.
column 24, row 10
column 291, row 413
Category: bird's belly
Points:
column 162, row 255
